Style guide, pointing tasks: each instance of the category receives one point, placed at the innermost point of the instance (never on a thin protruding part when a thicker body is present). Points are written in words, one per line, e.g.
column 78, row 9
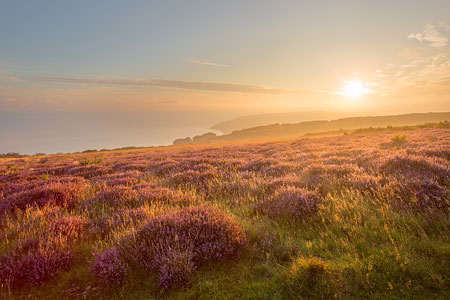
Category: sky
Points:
column 155, row 65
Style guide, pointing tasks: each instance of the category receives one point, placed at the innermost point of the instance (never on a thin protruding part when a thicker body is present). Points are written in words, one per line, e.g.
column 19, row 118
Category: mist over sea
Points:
column 30, row 133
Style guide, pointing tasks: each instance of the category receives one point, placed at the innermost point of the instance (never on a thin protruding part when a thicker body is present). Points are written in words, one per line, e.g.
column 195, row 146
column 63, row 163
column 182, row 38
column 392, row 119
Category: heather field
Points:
column 361, row 215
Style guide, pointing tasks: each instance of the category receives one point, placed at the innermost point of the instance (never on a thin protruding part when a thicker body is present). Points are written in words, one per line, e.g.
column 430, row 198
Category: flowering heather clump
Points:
column 43, row 265
column 290, row 201
column 415, row 166
column 161, row 195
column 71, row 228
column 175, row 267
column 424, row 195
column 34, row 267
column 122, row 181
column 131, row 166
column 237, row 186
column 279, row 169
column 59, row 169
column 31, row 182
column 326, row 178
column 265, row 243
column 129, row 216
column 195, row 178
column 122, row 178
column 89, row 171
column 116, row 196
column 365, row 183
column 64, row 194
column 164, row 167
column 7, row 269
column 286, row 180
column 26, row 246
column 108, row 268
column 206, row 231
column 259, row 165
column 442, row 153
column 122, row 218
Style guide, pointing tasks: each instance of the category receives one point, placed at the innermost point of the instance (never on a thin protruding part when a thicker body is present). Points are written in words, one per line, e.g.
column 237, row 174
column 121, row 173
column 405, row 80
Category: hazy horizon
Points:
column 31, row 133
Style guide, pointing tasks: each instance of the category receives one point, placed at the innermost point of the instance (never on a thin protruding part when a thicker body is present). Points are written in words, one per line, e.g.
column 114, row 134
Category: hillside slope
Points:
column 293, row 130
column 250, row 121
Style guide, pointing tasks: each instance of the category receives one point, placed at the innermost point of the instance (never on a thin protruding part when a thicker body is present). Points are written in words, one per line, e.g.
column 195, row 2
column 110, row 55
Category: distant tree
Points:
column 11, row 155
column 204, row 137
column 184, row 141
column 89, row 150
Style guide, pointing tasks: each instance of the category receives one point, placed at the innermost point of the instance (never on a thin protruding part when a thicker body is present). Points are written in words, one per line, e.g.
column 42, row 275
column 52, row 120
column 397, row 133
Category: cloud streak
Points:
column 178, row 84
column 431, row 35
column 204, row 62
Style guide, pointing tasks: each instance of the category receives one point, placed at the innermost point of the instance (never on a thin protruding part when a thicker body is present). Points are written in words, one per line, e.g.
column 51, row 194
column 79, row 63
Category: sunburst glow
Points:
column 354, row 89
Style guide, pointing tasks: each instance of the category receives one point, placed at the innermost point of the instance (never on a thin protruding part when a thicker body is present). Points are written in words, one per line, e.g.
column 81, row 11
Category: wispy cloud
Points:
column 417, row 65
column 6, row 101
column 169, row 102
column 204, row 62
column 432, row 35
column 178, row 84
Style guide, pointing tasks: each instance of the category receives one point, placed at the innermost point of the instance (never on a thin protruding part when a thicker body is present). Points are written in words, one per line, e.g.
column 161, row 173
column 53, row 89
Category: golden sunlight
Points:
column 354, row 89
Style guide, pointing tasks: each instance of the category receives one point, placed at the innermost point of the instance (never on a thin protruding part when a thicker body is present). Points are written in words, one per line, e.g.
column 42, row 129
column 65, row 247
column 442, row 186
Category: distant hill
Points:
column 292, row 130
column 282, row 118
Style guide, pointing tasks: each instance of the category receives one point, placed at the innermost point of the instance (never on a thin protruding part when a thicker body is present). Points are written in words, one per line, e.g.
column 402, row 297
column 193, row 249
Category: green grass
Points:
column 354, row 248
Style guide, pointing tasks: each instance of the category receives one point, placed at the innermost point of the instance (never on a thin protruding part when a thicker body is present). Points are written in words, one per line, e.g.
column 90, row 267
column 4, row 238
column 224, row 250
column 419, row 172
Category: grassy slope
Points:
column 351, row 123
column 366, row 251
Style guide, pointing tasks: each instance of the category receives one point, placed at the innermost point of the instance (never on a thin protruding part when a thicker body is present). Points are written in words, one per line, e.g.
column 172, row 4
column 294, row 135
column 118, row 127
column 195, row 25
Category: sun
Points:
column 354, row 89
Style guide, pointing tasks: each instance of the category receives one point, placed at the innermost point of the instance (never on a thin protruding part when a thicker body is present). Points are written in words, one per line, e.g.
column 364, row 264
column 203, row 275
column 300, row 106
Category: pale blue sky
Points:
column 219, row 59
column 257, row 39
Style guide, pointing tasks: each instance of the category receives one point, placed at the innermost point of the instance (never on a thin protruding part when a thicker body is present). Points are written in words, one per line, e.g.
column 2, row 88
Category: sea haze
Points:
column 53, row 132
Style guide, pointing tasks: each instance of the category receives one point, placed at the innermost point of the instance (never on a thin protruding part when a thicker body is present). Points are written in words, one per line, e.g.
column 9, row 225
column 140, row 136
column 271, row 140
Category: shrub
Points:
column 8, row 271
column 326, row 178
column 89, row 171
column 266, row 244
column 116, row 196
column 131, row 166
column 200, row 234
column 398, row 139
column 28, row 183
column 412, row 166
column 197, row 179
column 119, row 178
column 44, row 264
column 311, row 278
column 34, row 267
column 365, row 183
column 87, row 161
column 259, row 165
column 64, row 194
column 27, row 246
column 286, row 180
column 420, row 195
column 290, row 201
column 108, row 268
column 128, row 216
column 161, row 195
column 175, row 267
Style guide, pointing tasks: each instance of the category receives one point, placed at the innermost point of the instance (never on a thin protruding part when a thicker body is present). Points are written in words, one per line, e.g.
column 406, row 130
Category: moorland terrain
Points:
column 354, row 215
